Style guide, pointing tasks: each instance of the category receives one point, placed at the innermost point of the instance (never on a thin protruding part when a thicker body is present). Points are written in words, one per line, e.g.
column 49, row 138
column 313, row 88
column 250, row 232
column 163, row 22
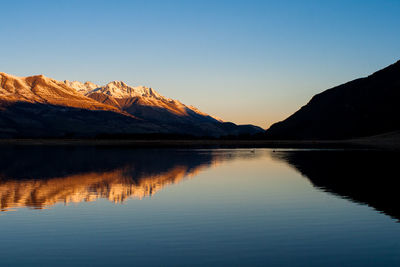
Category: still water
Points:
column 88, row 206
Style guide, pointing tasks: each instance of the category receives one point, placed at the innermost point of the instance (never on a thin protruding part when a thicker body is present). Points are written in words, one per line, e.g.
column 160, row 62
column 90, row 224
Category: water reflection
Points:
column 38, row 177
column 368, row 177
column 244, row 212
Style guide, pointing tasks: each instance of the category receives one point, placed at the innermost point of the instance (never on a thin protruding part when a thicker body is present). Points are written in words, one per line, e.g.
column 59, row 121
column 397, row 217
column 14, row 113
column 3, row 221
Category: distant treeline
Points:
column 149, row 136
column 163, row 136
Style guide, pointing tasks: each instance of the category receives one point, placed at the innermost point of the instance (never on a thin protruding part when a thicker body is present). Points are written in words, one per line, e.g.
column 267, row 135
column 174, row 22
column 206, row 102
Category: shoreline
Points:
column 362, row 143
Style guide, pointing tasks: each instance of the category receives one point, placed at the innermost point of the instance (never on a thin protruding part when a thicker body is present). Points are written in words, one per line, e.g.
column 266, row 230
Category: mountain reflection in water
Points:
column 38, row 177
column 367, row 177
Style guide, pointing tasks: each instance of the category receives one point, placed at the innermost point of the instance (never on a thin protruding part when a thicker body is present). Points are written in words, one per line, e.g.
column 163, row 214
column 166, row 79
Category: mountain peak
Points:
column 119, row 89
column 82, row 88
column 118, row 83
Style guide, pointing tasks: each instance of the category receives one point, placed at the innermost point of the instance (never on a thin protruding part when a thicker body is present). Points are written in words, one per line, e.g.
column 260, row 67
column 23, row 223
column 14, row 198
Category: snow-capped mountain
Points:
column 119, row 89
column 41, row 106
column 121, row 95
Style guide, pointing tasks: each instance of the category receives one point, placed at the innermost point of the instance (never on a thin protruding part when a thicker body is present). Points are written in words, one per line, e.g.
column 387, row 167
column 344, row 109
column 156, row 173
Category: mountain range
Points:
column 38, row 106
column 363, row 107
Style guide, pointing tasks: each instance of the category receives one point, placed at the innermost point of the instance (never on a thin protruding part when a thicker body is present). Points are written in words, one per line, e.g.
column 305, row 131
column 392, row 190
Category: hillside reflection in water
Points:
column 363, row 176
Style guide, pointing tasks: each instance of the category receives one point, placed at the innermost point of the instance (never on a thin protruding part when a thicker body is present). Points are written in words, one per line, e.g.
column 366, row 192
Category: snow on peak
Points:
column 116, row 89
column 119, row 89
column 148, row 96
column 83, row 88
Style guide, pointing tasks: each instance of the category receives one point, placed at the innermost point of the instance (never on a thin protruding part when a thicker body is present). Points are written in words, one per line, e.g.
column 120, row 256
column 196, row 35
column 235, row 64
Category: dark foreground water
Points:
column 113, row 206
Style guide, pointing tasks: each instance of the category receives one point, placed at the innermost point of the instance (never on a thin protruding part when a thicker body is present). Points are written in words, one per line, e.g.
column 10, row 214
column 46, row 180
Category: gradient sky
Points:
column 244, row 61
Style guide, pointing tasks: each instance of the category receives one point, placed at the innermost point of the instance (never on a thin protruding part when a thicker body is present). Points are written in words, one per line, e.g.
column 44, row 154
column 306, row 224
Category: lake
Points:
column 103, row 206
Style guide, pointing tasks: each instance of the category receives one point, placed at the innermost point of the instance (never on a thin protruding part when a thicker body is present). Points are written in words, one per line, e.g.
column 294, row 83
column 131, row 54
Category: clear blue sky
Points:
column 244, row 61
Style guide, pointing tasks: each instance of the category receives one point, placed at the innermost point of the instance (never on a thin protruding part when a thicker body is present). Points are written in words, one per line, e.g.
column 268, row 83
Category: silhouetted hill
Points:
column 363, row 107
